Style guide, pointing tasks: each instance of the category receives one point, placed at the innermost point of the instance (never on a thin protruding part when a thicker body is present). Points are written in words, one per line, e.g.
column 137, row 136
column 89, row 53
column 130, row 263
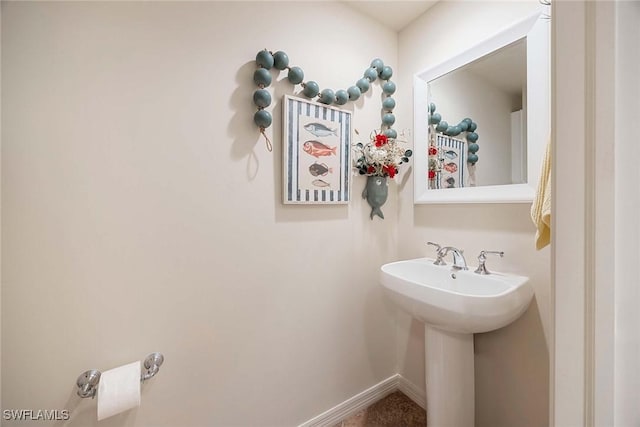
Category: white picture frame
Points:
column 316, row 153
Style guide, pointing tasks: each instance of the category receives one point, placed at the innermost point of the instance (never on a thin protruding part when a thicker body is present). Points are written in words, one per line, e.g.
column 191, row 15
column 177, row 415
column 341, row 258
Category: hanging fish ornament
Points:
column 376, row 192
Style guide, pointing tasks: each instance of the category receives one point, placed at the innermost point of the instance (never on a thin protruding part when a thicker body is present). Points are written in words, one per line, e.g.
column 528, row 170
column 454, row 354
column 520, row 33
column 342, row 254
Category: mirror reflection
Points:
column 478, row 121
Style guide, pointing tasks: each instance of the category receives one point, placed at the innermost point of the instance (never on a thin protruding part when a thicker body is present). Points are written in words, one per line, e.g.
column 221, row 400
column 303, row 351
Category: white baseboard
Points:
column 366, row 398
column 413, row 392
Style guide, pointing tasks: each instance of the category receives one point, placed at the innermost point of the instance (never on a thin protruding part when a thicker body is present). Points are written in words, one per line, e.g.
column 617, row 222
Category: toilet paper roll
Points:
column 119, row 390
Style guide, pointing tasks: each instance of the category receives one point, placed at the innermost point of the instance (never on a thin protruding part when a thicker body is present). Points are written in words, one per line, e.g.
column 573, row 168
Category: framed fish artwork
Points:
column 316, row 153
column 453, row 162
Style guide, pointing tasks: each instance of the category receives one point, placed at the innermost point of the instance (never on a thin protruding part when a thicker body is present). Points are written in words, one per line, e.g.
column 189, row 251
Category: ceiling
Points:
column 505, row 69
column 395, row 14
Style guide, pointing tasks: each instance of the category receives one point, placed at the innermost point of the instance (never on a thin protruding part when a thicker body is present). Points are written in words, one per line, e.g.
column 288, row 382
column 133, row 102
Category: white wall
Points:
column 141, row 212
column 512, row 364
column 627, row 204
column 1, row 210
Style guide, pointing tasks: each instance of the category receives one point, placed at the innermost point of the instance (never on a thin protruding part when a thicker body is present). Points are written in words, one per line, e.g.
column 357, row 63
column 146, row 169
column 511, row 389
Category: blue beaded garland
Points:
column 262, row 118
column 342, row 97
column 280, row 60
column 296, row 75
column 435, row 118
column 262, row 98
column 390, row 133
column 442, row 126
column 386, row 72
column 311, row 89
column 449, row 131
column 262, row 77
column 327, row 96
column 389, row 88
column 371, row 74
column 466, row 125
column 354, row 93
column 389, row 103
column 377, row 64
column 363, row 85
column 264, row 59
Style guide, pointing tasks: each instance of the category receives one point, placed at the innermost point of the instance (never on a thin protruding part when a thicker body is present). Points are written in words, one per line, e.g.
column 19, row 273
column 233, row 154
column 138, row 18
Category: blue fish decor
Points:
column 379, row 160
column 376, row 192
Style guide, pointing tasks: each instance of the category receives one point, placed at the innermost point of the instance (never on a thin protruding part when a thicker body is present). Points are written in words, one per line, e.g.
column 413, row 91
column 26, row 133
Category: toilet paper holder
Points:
column 87, row 382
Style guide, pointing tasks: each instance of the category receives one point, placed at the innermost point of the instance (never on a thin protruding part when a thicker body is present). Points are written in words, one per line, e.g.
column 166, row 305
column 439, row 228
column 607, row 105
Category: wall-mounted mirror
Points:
column 502, row 84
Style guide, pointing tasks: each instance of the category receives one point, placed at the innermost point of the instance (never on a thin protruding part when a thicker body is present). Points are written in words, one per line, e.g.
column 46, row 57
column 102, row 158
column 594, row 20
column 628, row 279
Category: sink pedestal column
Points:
column 449, row 377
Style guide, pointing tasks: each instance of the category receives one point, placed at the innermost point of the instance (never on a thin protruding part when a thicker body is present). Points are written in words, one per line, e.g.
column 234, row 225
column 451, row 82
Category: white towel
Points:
column 541, row 207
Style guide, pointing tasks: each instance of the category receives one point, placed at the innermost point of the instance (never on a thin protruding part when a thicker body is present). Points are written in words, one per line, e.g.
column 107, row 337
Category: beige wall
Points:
column 141, row 212
column 512, row 364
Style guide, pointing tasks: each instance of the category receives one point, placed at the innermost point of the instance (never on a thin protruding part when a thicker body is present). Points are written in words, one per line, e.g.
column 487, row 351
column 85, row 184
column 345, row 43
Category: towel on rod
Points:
column 541, row 207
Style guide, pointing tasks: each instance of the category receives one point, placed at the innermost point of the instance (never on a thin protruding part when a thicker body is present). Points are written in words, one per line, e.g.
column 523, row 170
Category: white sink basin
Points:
column 457, row 301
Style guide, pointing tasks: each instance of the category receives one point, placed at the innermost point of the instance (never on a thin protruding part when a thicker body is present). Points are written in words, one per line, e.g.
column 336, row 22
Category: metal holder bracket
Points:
column 87, row 382
column 152, row 365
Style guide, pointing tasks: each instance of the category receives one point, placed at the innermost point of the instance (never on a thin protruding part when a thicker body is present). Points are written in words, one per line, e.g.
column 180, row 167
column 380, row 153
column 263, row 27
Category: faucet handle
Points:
column 439, row 254
column 482, row 258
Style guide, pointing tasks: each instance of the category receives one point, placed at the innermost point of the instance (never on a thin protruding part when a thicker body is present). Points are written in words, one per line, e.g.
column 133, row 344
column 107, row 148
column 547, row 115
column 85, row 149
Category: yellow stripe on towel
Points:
column 541, row 207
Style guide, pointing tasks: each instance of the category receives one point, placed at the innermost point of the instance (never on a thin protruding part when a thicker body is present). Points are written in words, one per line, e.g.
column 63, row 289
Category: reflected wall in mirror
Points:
column 491, row 91
column 502, row 84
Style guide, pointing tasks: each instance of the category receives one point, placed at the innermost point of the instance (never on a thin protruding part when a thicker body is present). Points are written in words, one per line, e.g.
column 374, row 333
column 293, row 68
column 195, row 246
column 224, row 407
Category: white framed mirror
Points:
column 512, row 134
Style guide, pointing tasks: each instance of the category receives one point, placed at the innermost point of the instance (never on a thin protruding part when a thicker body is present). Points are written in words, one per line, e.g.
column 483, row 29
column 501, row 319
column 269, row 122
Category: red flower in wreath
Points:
column 371, row 169
column 432, row 174
column 390, row 170
column 381, row 139
column 433, row 151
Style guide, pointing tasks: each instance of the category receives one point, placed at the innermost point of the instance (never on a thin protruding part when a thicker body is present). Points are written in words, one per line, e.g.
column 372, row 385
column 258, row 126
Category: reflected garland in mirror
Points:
column 446, row 155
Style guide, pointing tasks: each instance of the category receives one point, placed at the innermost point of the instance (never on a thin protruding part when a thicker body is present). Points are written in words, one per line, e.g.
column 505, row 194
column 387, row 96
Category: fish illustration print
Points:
column 320, row 183
column 319, row 130
column 451, row 182
column 450, row 154
column 318, row 149
column 451, row 167
column 319, row 169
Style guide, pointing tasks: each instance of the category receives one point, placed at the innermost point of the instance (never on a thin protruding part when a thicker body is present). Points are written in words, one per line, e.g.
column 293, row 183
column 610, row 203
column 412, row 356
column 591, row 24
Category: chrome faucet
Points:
column 459, row 263
column 482, row 258
column 439, row 260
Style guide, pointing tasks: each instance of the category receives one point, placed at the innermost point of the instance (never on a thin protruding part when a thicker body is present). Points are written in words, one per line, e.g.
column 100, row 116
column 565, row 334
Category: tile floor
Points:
column 395, row 410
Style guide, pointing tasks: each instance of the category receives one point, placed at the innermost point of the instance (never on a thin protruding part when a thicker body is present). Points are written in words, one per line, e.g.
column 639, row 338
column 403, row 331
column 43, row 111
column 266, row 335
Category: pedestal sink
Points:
column 453, row 304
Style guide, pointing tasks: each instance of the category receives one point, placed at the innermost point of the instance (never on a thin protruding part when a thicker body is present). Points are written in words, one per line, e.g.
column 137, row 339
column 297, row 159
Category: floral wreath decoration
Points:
column 380, row 157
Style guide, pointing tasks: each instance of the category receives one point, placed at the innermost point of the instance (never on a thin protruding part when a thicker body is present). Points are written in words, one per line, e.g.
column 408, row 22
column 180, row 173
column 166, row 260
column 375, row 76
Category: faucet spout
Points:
column 459, row 263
